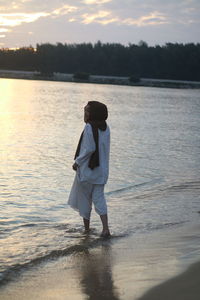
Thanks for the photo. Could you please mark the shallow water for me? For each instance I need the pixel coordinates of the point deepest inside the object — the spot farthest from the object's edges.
(154, 166)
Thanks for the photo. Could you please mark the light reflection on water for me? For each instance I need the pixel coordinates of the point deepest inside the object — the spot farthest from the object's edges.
(155, 140)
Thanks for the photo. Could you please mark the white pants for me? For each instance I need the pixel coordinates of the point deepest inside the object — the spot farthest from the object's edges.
(83, 194)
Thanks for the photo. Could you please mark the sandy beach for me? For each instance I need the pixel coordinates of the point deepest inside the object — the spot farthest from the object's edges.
(99, 79)
(118, 268)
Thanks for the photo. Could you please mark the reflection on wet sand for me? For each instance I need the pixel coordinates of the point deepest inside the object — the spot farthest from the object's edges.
(95, 271)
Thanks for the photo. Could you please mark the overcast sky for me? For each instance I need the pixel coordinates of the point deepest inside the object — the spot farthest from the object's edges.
(28, 22)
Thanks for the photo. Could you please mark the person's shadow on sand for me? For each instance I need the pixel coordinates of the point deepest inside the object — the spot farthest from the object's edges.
(96, 274)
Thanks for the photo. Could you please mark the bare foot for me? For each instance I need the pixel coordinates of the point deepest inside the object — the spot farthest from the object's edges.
(86, 231)
(105, 234)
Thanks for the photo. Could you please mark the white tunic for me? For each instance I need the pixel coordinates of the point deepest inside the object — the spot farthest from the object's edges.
(98, 175)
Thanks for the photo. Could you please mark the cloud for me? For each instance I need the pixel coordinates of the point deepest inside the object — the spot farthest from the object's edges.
(72, 20)
(18, 18)
(99, 17)
(64, 10)
(96, 1)
(154, 18)
(15, 19)
(106, 17)
(4, 30)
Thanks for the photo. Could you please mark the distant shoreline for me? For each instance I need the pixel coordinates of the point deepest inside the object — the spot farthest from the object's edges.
(115, 80)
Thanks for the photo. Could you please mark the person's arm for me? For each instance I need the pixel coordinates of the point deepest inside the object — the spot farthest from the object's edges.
(87, 147)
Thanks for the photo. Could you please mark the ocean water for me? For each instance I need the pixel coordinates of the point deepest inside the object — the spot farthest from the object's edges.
(154, 165)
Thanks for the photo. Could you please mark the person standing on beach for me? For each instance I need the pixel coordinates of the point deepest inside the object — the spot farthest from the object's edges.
(92, 166)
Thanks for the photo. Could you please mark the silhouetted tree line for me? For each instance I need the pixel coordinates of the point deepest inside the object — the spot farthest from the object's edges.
(171, 61)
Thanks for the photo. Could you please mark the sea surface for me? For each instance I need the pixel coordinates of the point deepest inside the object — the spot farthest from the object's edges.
(154, 178)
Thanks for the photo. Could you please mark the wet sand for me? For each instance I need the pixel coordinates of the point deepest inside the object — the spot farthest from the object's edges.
(183, 287)
(117, 269)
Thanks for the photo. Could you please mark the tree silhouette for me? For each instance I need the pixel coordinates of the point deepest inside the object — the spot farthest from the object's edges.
(171, 61)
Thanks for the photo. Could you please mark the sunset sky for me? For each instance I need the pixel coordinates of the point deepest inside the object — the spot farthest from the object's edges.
(28, 22)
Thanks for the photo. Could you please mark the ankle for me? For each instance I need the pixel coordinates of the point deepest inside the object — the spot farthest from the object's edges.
(86, 223)
(106, 229)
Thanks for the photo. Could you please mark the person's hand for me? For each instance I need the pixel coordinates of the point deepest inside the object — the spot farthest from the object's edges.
(75, 167)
